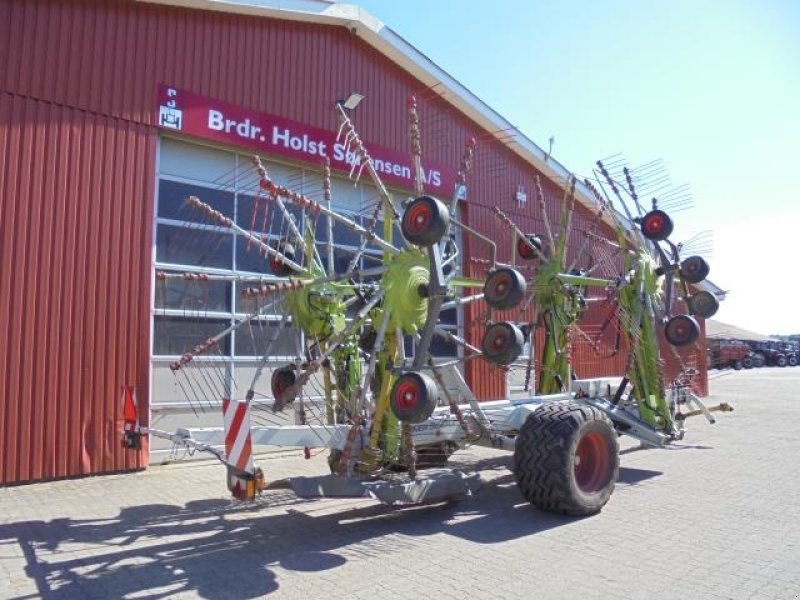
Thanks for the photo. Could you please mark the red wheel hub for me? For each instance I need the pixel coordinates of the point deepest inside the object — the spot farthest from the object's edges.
(654, 224)
(501, 284)
(524, 250)
(407, 395)
(679, 331)
(498, 340)
(418, 218)
(592, 462)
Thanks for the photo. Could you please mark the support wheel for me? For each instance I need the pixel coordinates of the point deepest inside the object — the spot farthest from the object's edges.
(413, 397)
(656, 225)
(694, 269)
(282, 379)
(524, 247)
(425, 221)
(278, 267)
(681, 330)
(504, 288)
(703, 304)
(566, 459)
(502, 343)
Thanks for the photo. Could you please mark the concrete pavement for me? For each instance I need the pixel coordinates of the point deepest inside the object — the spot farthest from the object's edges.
(717, 516)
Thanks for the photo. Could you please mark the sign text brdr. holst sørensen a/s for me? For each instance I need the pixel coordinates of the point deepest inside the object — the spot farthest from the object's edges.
(203, 117)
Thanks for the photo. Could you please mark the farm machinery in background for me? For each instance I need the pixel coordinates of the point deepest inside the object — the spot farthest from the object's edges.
(740, 354)
(385, 415)
(775, 354)
(732, 354)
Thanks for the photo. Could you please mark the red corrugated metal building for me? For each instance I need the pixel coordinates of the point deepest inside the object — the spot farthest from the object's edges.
(89, 169)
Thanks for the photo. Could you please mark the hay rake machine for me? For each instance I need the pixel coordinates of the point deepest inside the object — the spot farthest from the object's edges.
(382, 414)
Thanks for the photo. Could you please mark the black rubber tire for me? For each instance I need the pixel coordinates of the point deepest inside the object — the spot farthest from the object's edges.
(502, 343)
(781, 361)
(282, 379)
(703, 304)
(276, 266)
(504, 288)
(792, 361)
(425, 221)
(694, 269)
(747, 362)
(656, 225)
(681, 330)
(524, 249)
(737, 365)
(759, 361)
(413, 397)
(545, 466)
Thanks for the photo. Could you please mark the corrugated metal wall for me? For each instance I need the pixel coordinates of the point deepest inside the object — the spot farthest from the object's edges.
(76, 221)
(77, 157)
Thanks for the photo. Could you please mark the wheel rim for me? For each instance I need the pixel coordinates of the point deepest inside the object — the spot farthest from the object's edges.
(406, 395)
(277, 266)
(499, 285)
(681, 330)
(497, 340)
(656, 225)
(694, 269)
(418, 218)
(524, 247)
(704, 304)
(592, 462)
(281, 382)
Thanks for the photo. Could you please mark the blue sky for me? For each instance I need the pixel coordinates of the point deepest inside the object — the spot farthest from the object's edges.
(712, 88)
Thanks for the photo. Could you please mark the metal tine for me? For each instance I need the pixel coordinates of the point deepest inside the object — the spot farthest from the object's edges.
(202, 382)
(665, 200)
(648, 169)
(677, 208)
(705, 235)
(646, 185)
(194, 393)
(613, 159)
(652, 180)
(681, 190)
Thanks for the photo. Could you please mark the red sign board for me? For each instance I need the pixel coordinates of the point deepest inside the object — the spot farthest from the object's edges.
(211, 119)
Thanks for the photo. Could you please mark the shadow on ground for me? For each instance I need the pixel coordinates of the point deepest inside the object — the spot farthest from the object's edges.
(217, 549)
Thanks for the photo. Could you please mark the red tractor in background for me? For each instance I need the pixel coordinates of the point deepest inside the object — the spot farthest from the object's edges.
(727, 354)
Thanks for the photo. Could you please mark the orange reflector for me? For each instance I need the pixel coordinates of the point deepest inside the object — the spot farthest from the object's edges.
(129, 406)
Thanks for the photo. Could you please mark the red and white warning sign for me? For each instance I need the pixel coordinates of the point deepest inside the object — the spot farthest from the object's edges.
(238, 440)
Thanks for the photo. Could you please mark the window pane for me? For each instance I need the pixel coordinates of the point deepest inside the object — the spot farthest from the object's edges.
(185, 159)
(172, 336)
(342, 235)
(253, 339)
(449, 317)
(441, 347)
(172, 201)
(193, 246)
(201, 296)
(252, 259)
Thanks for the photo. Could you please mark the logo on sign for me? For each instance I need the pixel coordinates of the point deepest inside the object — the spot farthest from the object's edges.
(169, 115)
